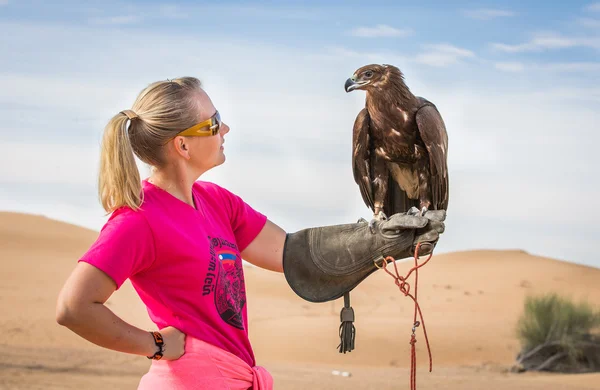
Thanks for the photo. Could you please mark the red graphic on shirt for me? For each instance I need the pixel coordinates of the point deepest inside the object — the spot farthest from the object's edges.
(230, 293)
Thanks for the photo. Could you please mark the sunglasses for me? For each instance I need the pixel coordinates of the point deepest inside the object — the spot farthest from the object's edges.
(206, 128)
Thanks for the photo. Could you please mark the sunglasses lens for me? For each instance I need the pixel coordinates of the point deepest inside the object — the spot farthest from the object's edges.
(217, 126)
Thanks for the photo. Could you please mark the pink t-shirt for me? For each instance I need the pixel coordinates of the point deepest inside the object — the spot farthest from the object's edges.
(185, 262)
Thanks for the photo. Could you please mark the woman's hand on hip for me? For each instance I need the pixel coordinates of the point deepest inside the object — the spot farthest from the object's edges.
(174, 341)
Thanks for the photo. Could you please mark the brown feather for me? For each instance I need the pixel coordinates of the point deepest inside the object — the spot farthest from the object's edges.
(361, 156)
(433, 133)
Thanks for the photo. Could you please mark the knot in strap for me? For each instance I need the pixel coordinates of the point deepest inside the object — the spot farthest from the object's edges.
(413, 340)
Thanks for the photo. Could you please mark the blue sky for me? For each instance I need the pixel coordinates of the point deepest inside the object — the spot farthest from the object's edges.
(518, 85)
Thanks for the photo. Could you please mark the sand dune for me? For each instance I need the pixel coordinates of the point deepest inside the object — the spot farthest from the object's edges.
(470, 302)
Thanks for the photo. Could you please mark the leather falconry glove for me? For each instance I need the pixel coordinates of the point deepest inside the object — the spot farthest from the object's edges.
(324, 263)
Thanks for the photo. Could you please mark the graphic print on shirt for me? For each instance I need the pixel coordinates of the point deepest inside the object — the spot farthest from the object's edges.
(229, 291)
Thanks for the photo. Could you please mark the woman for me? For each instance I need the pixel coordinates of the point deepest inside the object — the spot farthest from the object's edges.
(179, 240)
(167, 234)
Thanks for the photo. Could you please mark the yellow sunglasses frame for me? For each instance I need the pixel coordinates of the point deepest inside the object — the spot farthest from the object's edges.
(213, 123)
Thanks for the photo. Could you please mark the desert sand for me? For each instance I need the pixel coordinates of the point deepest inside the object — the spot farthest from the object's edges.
(470, 302)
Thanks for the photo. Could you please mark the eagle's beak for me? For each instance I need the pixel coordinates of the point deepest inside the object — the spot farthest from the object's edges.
(350, 85)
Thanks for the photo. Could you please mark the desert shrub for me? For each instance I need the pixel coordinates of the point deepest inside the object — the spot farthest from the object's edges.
(557, 334)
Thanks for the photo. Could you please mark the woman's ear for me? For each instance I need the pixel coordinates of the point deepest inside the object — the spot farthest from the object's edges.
(182, 148)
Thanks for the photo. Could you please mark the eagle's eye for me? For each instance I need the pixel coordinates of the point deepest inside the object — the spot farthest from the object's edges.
(368, 74)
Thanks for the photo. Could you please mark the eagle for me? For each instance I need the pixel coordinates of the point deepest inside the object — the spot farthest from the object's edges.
(399, 145)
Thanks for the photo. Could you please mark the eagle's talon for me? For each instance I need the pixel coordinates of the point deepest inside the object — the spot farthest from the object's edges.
(413, 211)
(424, 209)
(372, 225)
(379, 216)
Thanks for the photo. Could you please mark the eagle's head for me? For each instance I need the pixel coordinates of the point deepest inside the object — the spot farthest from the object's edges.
(373, 77)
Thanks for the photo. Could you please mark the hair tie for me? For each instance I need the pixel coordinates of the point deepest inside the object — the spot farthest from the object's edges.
(130, 114)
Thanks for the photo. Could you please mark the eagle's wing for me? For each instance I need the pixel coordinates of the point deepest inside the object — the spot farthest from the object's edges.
(361, 156)
(433, 133)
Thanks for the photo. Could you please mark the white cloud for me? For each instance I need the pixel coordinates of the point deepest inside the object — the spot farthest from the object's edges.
(594, 7)
(487, 13)
(71, 94)
(253, 10)
(510, 66)
(249, 11)
(589, 22)
(380, 30)
(560, 67)
(564, 94)
(173, 12)
(548, 41)
(556, 41)
(572, 67)
(352, 59)
(156, 13)
(52, 163)
(442, 55)
(512, 48)
(130, 19)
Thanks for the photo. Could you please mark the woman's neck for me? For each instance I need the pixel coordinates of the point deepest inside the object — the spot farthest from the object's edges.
(176, 182)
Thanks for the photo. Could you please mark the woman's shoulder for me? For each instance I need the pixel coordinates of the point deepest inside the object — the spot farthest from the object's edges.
(127, 216)
(220, 196)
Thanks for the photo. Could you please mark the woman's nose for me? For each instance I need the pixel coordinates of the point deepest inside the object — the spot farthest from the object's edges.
(224, 128)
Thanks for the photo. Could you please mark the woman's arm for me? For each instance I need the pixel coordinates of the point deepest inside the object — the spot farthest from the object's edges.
(81, 308)
(266, 250)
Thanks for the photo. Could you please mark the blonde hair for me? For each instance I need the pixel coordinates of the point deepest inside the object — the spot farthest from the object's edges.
(160, 112)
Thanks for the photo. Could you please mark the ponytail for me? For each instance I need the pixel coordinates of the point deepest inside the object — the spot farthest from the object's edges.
(119, 178)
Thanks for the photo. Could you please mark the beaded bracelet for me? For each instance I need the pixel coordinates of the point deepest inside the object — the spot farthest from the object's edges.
(158, 340)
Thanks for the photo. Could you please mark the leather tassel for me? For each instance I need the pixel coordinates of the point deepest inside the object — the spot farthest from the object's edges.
(347, 329)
